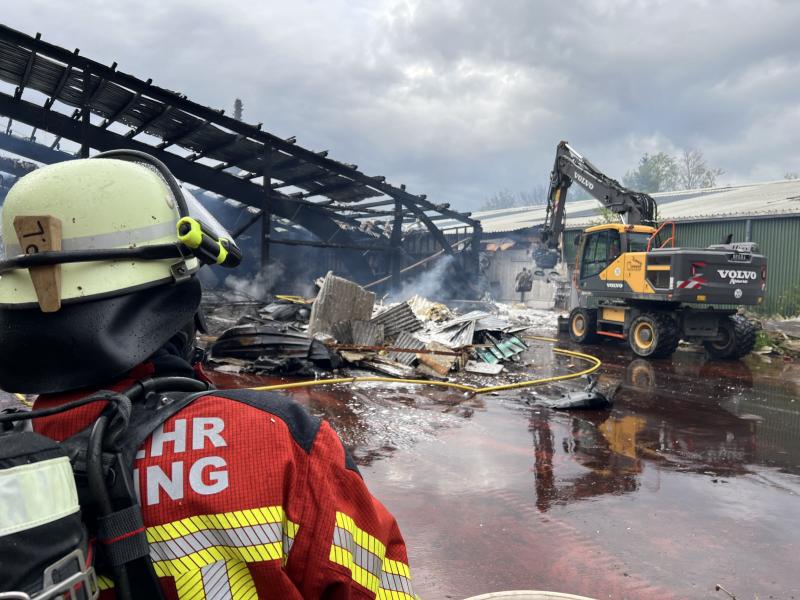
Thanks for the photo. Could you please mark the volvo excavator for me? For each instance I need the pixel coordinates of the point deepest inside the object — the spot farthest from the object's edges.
(632, 282)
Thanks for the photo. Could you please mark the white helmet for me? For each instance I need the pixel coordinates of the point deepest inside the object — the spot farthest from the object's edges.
(100, 258)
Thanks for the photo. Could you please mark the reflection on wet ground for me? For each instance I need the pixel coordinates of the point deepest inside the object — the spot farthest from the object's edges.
(692, 479)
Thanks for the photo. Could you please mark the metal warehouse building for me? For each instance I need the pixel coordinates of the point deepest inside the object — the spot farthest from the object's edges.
(765, 213)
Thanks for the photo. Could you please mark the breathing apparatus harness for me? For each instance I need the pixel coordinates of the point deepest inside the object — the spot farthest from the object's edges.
(73, 504)
(101, 458)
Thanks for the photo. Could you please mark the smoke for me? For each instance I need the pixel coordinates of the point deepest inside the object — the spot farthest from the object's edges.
(255, 288)
(429, 284)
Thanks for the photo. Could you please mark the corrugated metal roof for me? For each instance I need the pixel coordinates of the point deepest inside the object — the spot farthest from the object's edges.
(397, 319)
(754, 200)
(406, 340)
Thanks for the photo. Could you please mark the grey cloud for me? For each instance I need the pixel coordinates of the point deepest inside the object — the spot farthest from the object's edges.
(460, 98)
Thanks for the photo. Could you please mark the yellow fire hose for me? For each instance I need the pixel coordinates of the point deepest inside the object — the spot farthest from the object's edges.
(595, 364)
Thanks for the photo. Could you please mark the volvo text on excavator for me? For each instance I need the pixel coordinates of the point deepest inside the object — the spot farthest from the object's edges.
(635, 285)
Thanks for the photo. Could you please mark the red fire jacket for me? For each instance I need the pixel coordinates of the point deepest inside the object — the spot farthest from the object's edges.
(241, 502)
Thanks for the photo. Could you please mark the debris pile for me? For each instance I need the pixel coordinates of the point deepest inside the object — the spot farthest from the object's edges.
(344, 330)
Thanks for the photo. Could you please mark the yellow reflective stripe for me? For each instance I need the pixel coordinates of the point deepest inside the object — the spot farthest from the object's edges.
(230, 520)
(395, 567)
(364, 556)
(105, 583)
(210, 553)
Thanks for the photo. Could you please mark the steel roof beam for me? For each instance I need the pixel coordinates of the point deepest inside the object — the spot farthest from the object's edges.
(173, 99)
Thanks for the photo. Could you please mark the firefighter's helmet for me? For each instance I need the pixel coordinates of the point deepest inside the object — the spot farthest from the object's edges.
(96, 274)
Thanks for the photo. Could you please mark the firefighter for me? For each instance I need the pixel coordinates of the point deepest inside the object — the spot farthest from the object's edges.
(242, 494)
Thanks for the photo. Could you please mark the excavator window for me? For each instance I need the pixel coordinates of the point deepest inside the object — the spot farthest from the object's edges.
(637, 242)
(597, 252)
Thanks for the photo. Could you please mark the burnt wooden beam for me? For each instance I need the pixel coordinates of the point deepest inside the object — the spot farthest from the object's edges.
(255, 218)
(26, 75)
(300, 179)
(327, 189)
(32, 150)
(396, 241)
(221, 146)
(59, 86)
(86, 116)
(266, 211)
(182, 135)
(336, 245)
(124, 108)
(179, 101)
(137, 130)
(318, 220)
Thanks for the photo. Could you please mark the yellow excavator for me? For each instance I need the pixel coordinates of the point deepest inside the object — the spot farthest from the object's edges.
(633, 284)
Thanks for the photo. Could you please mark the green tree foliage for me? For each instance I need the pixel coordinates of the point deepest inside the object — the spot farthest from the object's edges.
(607, 216)
(694, 172)
(664, 173)
(505, 198)
(655, 173)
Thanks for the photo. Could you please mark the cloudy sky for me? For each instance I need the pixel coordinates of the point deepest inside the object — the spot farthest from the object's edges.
(461, 98)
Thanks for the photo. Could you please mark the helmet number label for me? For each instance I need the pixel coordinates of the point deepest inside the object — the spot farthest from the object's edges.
(42, 233)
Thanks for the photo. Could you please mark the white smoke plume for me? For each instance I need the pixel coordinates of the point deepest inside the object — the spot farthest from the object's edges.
(256, 288)
(428, 284)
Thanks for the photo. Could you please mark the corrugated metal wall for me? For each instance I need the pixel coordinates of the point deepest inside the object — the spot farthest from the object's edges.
(779, 239)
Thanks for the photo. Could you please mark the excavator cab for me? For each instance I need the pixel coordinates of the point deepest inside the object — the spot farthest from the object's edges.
(603, 246)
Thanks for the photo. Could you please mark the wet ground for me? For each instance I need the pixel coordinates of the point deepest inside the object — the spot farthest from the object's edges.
(691, 480)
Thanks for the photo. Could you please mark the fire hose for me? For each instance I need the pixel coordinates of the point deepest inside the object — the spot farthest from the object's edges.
(595, 364)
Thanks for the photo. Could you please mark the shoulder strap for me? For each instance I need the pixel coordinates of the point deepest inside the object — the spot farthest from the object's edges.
(122, 533)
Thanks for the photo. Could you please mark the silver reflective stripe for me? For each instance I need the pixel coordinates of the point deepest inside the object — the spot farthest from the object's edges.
(361, 556)
(238, 537)
(114, 239)
(396, 583)
(35, 494)
(216, 584)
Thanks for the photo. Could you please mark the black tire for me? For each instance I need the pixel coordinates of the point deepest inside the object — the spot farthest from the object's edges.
(653, 335)
(739, 337)
(583, 325)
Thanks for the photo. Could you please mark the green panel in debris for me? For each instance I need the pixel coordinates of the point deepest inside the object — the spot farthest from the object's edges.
(487, 356)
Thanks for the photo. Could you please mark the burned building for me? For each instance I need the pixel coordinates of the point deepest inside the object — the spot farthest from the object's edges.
(286, 204)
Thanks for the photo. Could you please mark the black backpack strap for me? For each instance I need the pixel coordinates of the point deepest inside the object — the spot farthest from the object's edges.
(122, 534)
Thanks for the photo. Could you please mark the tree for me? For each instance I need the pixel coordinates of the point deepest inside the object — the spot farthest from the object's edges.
(505, 198)
(694, 172)
(656, 173)
(502, 199)
(533, 197)
(238, 108)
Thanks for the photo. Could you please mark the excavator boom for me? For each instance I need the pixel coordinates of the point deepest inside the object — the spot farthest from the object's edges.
(635, 208)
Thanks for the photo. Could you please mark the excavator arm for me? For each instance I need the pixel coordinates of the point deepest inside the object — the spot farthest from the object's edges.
(636, 208)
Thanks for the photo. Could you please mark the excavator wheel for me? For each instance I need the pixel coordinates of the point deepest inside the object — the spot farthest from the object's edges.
(653, 335)
(583, 325)
(738, 338)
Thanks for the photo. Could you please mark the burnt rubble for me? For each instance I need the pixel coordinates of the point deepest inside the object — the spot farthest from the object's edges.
(344, 332)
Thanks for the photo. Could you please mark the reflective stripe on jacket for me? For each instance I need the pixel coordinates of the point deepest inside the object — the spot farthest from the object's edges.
(247, 502)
